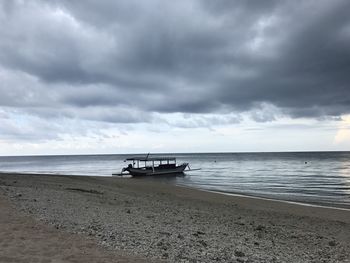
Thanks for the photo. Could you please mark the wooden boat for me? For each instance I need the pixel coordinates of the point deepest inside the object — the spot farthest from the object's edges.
(150, 166)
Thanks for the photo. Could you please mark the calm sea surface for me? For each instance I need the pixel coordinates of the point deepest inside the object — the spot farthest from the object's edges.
(309, 177)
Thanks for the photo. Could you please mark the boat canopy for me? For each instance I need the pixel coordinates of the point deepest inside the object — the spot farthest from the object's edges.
(150, 159)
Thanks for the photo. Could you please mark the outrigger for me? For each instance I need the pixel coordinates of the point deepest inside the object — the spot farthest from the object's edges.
(149, 166)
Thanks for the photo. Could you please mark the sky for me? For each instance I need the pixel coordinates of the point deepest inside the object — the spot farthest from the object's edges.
(130, 76)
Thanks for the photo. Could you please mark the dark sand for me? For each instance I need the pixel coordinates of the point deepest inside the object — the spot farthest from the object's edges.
(23, 239)
(144, 219)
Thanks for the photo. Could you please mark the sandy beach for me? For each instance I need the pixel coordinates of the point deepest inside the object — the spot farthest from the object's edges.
(51, 218)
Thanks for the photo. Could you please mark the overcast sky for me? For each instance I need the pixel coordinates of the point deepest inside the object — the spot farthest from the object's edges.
(107, 76)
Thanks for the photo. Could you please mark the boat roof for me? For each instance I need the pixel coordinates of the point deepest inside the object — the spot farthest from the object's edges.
(144, 159)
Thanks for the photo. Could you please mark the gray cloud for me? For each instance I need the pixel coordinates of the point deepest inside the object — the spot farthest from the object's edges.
(102, 59)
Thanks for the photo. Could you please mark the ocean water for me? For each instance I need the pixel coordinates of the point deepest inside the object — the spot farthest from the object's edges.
(309, 177)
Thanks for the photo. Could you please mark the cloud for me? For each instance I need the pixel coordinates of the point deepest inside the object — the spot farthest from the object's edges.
(123, 61)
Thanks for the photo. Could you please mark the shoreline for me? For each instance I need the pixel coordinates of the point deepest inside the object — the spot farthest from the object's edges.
(317, 205)
(158, 221)
(301, 203)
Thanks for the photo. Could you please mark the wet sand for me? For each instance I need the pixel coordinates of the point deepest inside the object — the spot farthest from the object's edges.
(135, 219)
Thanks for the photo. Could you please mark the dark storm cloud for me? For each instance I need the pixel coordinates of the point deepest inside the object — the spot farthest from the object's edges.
(181, 56)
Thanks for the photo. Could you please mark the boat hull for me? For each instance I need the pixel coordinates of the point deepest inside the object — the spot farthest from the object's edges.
(156, 171)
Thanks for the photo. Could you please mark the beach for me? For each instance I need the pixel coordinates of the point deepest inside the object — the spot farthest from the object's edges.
(110, 219)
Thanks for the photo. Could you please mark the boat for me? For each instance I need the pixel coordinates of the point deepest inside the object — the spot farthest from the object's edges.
(151, 166)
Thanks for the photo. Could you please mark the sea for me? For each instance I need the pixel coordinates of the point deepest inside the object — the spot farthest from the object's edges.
(316, 178)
